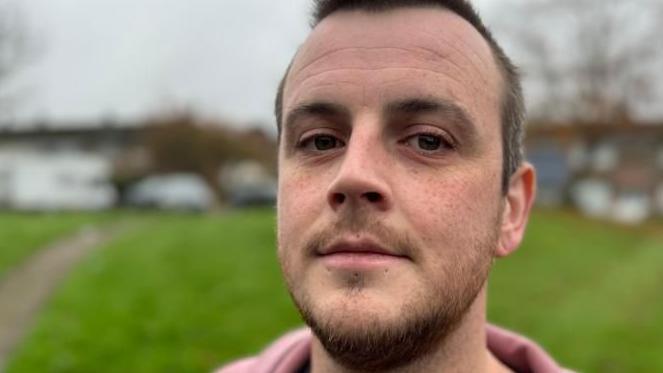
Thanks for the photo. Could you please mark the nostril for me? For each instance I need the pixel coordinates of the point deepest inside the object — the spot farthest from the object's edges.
(339, 198)
(373, 197)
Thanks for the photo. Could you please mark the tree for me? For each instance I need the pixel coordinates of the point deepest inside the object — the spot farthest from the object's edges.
(590, 60)
(14, 51)
(180, 142)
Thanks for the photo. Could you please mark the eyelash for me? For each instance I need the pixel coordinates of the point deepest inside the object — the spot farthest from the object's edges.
(445, 143)
(306, 141)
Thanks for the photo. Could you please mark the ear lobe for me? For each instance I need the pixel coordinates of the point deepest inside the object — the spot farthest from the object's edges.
(517, 205)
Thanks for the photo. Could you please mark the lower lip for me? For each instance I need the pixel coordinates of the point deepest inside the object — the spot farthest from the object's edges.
(360, 260)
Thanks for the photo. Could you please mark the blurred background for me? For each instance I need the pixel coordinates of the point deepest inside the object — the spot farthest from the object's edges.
(138, 182)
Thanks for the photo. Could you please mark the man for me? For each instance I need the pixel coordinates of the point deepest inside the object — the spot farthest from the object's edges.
(400, 181)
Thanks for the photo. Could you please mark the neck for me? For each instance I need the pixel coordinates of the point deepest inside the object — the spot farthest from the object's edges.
(463, 350)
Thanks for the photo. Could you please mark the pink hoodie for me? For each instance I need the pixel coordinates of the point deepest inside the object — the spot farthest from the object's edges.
(289, 354)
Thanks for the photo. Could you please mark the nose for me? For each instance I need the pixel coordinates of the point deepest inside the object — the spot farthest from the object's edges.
(360, 180)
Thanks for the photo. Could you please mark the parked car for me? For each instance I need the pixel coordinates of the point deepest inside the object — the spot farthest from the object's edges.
(182, 192)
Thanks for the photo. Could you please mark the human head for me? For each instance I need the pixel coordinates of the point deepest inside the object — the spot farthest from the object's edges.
(391, 204)
(512, 105)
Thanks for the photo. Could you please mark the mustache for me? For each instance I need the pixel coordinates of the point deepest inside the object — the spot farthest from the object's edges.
(361, 224)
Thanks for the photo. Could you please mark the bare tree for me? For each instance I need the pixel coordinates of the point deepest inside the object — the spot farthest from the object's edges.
(15, 51)
(591, 60)
(181, 142)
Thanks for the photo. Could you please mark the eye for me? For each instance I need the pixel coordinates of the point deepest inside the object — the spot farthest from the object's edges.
(428, 142)
(320, 142)
(325, 142)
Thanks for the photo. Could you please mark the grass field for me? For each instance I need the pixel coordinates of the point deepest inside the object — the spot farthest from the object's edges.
(186, 293)
(589, 292)
(22, 234)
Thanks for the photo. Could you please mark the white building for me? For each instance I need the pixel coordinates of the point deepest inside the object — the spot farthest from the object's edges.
(609, 172)
(48, 168)
(60, 169)
(32, 180)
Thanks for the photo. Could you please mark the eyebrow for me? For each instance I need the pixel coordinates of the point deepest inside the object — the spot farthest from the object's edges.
(320, 109)
(448, 110)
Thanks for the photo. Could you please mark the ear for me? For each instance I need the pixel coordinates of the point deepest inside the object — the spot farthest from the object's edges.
(517, 205)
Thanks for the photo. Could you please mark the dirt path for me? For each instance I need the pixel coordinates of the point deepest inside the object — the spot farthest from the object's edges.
(24, 289)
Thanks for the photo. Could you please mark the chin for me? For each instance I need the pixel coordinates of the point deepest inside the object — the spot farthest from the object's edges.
(359, 296)
(364, 331)
(378, 325)
(347, 306)
(354, 307)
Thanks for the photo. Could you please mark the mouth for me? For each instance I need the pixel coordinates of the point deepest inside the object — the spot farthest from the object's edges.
(359, 254)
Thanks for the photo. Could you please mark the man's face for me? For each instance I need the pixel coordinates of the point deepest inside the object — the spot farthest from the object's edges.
(390, 161)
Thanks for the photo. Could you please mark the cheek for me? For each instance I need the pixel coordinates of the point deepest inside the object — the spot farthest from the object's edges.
(452, 209)
(300, 199)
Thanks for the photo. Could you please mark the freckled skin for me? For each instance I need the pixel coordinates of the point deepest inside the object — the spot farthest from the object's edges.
(450, 206)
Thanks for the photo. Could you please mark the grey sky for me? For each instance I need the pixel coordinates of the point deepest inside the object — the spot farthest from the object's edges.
(129, 58)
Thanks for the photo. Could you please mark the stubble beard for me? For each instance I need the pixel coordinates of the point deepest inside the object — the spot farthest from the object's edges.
(371, 343)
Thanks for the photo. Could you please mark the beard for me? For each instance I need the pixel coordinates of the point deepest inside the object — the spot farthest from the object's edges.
(370, 342)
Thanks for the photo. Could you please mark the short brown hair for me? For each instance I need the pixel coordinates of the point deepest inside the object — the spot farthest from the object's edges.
(512, 106)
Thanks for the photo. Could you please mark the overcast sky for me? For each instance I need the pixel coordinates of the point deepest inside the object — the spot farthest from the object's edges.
(128, 58)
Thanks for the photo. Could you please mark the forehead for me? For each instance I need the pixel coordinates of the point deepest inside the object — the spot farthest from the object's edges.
(431, 42)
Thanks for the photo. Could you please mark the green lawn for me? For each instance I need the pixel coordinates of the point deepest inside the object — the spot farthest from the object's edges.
(177, 294)
(589, 292)
(185, 293)
(22, 234)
